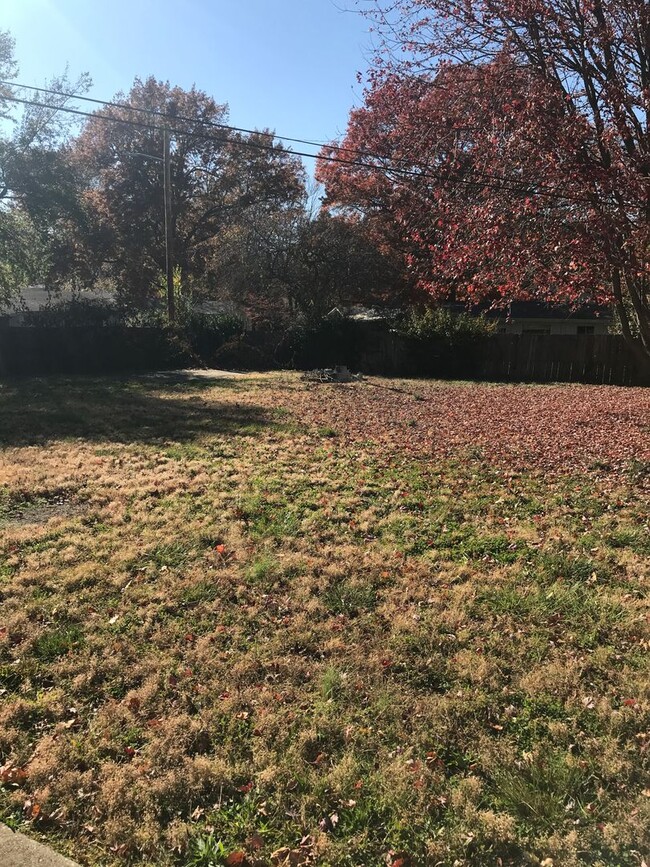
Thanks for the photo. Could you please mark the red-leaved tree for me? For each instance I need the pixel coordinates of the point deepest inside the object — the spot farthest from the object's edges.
(509, 142)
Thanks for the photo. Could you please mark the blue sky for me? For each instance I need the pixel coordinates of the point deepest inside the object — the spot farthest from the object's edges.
(285, 64)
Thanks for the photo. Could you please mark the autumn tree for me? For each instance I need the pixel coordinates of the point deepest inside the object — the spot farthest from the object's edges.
(217, 175)
(509, 141)
(296, 267)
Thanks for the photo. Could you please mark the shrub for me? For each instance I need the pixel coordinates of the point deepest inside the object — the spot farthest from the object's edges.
(240, 355)
(443, 324)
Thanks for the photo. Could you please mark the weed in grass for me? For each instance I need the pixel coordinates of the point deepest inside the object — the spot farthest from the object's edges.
(585, 616)
(530, 721)
(171, 556)
(53, 643)
(269, 517)
(350, 598)
(10, 678)
(201, 593)
(263, 571)
(498, 549)
(573, 569)
(6, 569)
(547, 790)
(236, 819)
(206, 851)
(634, 539)
(331, 683)
(428, 674)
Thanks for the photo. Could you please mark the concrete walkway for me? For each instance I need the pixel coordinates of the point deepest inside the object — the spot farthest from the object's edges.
(16, 850)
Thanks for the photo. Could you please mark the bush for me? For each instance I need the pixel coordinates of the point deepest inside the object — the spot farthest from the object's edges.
(443, 324)
(74, 312)
(240, 355)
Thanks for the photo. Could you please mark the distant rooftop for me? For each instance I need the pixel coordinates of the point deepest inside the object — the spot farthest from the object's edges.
(35, 298)
(515, 310)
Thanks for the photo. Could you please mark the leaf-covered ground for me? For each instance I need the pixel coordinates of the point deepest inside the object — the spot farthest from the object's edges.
(256, 621)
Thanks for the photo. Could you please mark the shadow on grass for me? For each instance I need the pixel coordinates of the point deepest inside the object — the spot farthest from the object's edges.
(143, 409)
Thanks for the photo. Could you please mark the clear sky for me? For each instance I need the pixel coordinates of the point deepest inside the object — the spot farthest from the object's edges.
(285, 64)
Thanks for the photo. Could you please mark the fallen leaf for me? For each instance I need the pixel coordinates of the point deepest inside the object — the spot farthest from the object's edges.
(12, 775)
(329, 823)
(255, 841)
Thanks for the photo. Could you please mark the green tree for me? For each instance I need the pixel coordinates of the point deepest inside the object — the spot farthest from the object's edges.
(39, 191)
(217, 175)
(23, 256)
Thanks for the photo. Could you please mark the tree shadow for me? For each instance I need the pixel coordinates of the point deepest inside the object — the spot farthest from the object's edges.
(138, 410)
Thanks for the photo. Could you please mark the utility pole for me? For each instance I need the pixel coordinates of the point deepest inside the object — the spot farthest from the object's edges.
(169, 230)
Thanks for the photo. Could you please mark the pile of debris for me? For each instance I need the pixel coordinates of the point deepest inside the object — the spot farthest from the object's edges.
(340, 373)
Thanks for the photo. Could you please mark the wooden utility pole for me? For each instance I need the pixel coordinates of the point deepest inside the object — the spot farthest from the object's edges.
(169, 230)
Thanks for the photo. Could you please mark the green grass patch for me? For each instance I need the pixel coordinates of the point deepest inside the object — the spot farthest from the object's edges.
(54, 643)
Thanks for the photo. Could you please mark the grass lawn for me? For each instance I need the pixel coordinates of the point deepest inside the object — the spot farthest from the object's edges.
(257, 621)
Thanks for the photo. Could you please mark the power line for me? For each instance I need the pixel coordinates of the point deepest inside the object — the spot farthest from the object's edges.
(525, 184)
(157, 113)
(426, 173)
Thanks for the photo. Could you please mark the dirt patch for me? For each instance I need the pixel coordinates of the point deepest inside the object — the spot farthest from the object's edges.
(39, 511)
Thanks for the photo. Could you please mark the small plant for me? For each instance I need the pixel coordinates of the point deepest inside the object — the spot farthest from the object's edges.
(206, 851)
(57, 642)
(331, 683)
(262, 570)
(350, 599)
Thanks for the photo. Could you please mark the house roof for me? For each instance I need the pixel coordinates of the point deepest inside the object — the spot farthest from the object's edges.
(34, 298)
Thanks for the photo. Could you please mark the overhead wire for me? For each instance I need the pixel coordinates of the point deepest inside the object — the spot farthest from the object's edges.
(522, 185)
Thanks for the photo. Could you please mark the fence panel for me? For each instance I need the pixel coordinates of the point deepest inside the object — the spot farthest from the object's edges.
(370, 347)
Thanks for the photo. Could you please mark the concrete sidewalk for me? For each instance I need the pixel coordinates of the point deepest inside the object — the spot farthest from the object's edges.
(16, 850)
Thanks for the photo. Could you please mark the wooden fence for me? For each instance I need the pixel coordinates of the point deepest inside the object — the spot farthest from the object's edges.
(602, 359)
(371, 347)
(368, 347)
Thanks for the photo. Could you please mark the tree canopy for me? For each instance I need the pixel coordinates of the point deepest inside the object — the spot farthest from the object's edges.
(217, 175)
(514, 145)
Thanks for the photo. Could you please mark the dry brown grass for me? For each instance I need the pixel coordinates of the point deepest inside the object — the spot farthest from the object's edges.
(368, 623)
